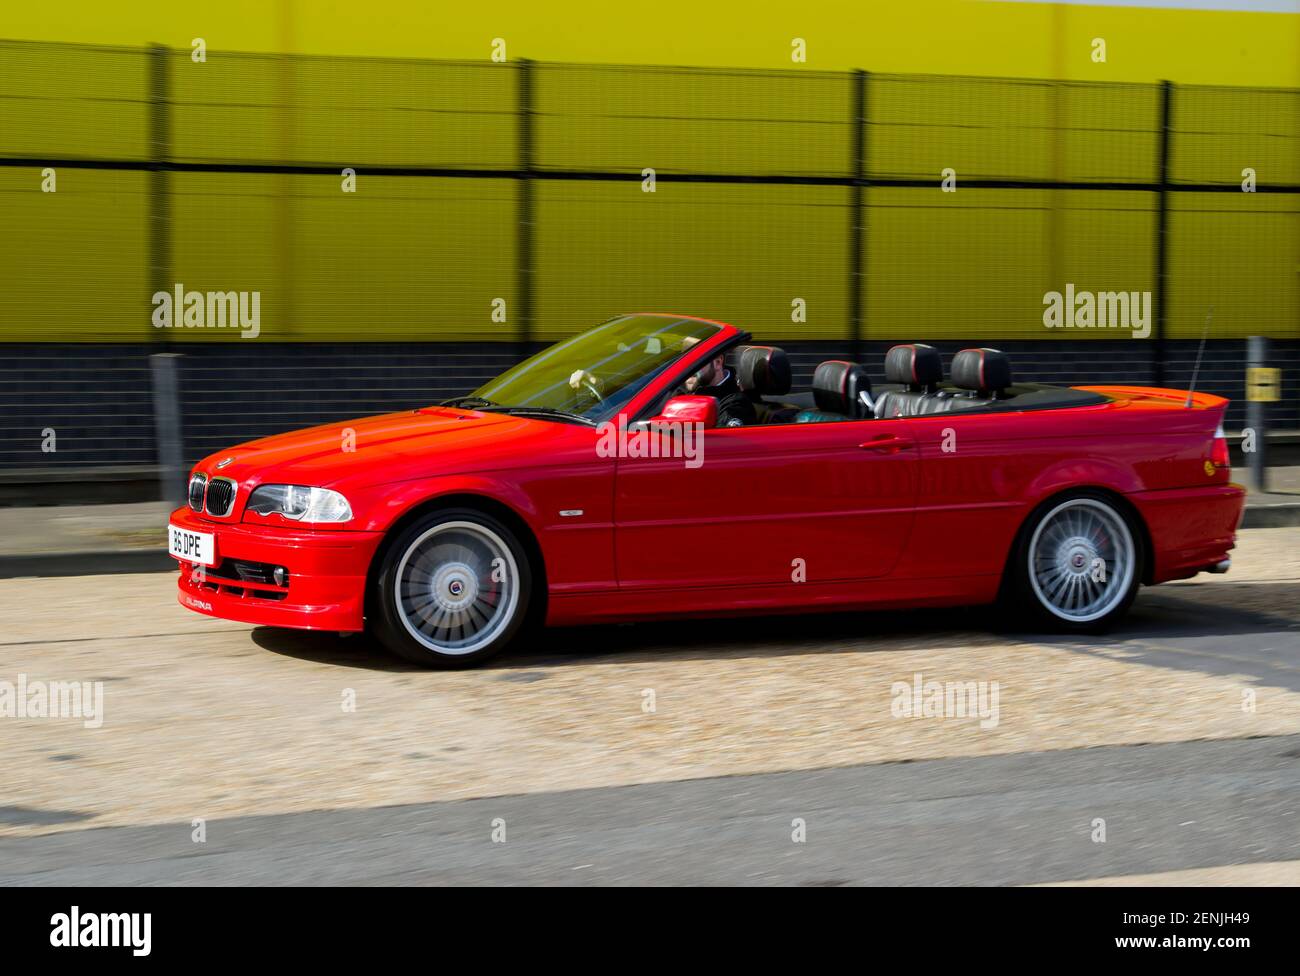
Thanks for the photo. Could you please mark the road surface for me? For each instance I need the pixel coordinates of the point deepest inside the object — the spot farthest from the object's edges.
(663, 753)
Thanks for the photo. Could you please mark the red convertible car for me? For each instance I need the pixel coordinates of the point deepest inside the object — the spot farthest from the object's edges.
(657, 466)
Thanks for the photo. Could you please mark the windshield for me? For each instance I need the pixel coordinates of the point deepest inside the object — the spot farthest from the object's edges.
(593, 375)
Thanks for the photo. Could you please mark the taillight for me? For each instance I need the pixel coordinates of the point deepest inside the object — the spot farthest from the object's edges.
(1219, 450)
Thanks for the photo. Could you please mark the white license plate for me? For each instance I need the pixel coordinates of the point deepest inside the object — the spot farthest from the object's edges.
(193, 547)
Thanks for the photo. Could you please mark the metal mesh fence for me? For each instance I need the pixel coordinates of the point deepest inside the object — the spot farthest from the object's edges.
(354, 111)
(1004, 129)
(511, 201)
(678, 121)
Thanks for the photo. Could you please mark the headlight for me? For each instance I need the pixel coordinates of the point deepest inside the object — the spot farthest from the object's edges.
(300, 503)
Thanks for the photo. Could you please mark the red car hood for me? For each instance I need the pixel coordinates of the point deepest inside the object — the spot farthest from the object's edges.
(390, 447)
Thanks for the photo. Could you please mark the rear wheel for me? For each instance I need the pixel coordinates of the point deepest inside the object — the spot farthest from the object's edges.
(453, 590)
(1079, 562)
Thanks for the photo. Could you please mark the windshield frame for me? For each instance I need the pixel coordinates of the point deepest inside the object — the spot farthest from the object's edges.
(657, 381)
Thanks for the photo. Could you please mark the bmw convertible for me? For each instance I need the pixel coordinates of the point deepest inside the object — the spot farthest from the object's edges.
(661, 465)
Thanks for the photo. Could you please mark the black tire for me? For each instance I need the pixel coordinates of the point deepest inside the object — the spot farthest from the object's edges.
(1077, 563)
(453, 590)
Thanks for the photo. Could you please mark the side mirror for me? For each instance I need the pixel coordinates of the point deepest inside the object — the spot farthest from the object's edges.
(702, 410)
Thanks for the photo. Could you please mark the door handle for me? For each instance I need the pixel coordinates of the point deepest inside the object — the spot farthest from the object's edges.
(888, 443)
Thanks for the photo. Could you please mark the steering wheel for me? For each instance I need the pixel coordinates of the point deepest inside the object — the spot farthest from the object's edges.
(582, 381)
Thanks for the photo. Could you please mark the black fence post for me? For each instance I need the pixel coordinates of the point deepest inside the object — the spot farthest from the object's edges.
(163, 364)
(1261, 377)
(524, 260)
(1159, 351)
(857, 217)
(164, 369)
(159, 177)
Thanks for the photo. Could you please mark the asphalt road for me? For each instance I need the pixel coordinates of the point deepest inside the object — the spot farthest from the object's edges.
(759, 723)
(996, 820)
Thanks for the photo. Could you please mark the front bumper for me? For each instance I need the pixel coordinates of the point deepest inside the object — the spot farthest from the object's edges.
(1192, 529)
(326, 575)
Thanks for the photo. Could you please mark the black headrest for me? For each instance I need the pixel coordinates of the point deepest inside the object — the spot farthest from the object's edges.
(981, 369)
(916, 365)
(763, 369)
(836, 386)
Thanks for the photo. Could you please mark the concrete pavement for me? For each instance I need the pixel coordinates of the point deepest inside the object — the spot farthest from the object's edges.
(311, 757)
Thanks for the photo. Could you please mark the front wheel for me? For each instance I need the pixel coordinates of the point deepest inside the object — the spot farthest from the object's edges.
(1079, 562)
(453, 589)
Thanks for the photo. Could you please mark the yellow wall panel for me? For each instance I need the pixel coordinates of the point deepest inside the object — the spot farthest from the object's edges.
(969, 265)
(397, 259)
(73, 263)
(408, 259)
(742, 254)
(1251, 276)
(224, 239)
(1036, 40)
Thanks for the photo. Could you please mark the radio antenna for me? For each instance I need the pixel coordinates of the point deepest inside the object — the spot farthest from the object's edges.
(1196, 369)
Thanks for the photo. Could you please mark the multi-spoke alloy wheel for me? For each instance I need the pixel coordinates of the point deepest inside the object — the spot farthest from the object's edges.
(1081, 561)
(453, 590)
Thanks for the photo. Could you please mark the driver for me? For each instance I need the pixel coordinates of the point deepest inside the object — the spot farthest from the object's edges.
(712, 379)
(715, 380)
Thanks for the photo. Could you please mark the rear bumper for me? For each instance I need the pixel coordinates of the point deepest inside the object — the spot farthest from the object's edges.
(1192, 529)
(326, 585)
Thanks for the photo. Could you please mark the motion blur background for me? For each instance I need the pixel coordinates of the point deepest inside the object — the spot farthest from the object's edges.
(481, 182)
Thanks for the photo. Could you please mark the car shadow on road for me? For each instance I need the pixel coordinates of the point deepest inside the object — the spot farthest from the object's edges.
(1216, 627)
(680, 639)
(1245, 630)
(326, 647)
